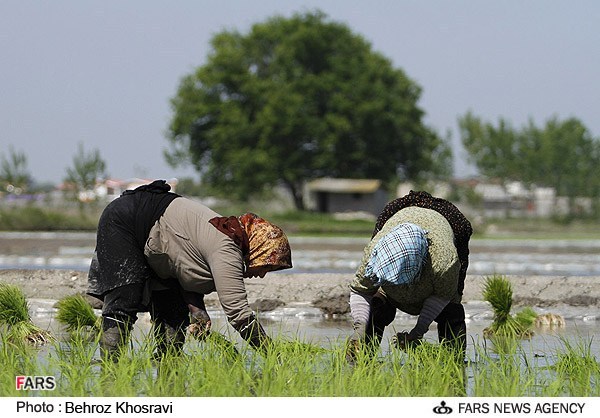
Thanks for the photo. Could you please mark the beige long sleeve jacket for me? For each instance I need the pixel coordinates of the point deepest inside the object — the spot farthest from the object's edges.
(184, 246)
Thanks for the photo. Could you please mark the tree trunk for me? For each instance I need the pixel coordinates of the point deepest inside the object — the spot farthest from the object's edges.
(297, 195)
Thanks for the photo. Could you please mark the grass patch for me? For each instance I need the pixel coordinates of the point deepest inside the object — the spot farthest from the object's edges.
(33, 218)
(538, 228)
(299, 369)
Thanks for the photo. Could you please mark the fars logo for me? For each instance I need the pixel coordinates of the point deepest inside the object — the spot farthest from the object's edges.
(442, 408)
(35, 383)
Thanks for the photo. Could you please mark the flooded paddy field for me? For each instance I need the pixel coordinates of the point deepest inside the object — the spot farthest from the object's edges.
(534, 358)
(73, 251)
(307, 324)
(340, 256)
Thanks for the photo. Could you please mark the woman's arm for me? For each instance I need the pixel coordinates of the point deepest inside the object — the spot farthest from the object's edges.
(194, 301)
(360, 311)
(432, 307)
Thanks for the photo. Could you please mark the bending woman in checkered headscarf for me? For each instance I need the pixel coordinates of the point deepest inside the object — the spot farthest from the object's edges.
(416, 262)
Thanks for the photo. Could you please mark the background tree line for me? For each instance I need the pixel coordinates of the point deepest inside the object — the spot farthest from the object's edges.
(561, 154)
(81, 177)
(304, 97)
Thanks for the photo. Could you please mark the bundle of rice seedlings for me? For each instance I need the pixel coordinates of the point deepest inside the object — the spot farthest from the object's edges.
(526, 317)
(14, 314)
(75, 312)
(498, 292)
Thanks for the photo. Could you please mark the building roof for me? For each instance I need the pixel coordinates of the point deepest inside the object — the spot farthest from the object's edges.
(332, 185)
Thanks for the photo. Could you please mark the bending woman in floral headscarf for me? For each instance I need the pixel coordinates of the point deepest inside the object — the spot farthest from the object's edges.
(159, 252)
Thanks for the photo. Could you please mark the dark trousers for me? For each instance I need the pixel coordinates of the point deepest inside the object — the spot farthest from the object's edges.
(168, 311)
(451, 325)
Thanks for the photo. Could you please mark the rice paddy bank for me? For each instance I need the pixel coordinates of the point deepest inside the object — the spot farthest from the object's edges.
(328, 291)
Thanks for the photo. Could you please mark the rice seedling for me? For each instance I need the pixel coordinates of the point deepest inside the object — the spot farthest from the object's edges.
(15, 318)
(298, 369)
(526, 317)
(219, 342)
(429, 369)
(15, 359)
(504, 375)
(577, 370)
(75, 312)
(76, 367)
(498, 292)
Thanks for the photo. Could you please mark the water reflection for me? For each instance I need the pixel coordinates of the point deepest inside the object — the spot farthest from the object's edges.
(308, 325)
(73, 251)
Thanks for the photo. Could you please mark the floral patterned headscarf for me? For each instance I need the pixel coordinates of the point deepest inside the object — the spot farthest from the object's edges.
(261, 242)
(268, 245)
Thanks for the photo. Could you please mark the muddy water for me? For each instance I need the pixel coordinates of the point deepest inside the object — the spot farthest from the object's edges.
(73, 251)
(307, 324)
(524, 257)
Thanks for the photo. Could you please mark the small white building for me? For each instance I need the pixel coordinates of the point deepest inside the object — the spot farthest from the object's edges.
(332, 195)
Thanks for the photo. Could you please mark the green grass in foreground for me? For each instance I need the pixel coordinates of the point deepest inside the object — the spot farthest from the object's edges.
(297, 369)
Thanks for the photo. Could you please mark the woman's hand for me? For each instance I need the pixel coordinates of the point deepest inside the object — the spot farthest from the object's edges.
(404, 340)
(199, 320)
(355, 342)
(200, 324)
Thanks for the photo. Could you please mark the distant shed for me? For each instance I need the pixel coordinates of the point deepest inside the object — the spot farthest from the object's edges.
(329, 195)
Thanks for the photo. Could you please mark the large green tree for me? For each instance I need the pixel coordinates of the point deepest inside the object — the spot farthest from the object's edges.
(562, 154)
(295, 99)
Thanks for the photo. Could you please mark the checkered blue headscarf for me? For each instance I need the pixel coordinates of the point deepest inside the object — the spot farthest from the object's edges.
(398, 256)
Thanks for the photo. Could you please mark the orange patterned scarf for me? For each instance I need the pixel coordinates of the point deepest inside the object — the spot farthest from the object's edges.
(268, 244)
(262, 243)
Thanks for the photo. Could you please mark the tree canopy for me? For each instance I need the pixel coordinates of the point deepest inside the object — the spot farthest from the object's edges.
(295, 99)
(562, 154)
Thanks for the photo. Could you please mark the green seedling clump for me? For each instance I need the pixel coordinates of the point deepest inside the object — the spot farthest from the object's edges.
(75, 312)
(15, 318)
(498, 292)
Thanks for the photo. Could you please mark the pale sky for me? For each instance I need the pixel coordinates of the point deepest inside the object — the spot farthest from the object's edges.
(103, 72)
